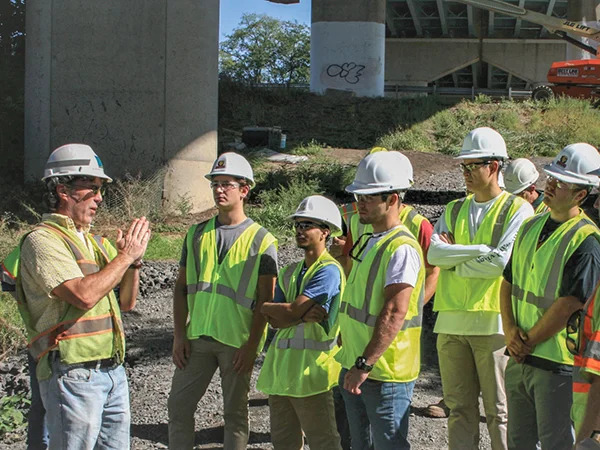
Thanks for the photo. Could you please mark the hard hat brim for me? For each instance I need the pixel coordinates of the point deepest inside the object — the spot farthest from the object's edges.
(484, 156)
(568, 177)
(209, 177)
(361, 190)
(80, 174)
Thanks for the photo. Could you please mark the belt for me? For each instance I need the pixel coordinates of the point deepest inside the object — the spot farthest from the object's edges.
(101, 363)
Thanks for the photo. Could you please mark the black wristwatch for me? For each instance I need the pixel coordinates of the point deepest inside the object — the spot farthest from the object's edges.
(361, 364)
(595, 436)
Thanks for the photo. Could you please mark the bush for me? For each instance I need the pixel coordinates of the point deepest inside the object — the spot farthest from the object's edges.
(11, 415)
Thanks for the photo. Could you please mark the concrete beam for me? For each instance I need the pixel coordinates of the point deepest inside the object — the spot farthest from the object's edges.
(491, 16)
(415, 17)
(430, 59)
(470, 21)
(389, 20)
(519, 21)
(340, 11)
(475, 75)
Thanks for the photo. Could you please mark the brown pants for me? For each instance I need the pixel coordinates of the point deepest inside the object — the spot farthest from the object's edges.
(190, 384)
(315, 415)
(470, 365)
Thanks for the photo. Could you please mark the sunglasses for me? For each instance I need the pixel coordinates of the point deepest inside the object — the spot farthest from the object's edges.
(472, 166)
(225, 185)
(93, 189)
(358, 247)
(573, 332)
(308, 225)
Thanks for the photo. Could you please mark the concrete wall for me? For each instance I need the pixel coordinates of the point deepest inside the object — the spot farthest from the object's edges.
(348, 46)
(588, 12)
(431, 59)
(136, 80)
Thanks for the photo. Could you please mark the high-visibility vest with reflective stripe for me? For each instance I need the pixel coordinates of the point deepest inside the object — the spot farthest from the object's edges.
(537, 275)
(408, 216)
(347, 210)
(364, 299)
(300, 362)
(81, 335)
(588, 358)
(221, 296)
(456, 293)
(541, 208)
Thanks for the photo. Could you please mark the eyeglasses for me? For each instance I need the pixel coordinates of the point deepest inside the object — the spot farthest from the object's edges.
(368, 198)
(472, 166)
(354, 253)
(561, 184)
(307, 225)
(225, 185)
(573, 334)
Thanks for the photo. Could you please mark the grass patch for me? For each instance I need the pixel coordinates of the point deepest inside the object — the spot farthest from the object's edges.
(313, 148)
(164, 247)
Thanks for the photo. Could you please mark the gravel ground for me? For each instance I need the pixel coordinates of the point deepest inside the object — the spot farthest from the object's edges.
(149, 335)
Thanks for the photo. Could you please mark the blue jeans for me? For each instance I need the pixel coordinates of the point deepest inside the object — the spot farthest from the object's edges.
(379, 415)
(88, 409)
(37, 432)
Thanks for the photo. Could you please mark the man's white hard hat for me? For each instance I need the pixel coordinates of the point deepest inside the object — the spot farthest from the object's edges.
(319, 208)
(382, 172)
(233, 165)
(519, 175)
(74, 160)
(484, 143)
(575, 164)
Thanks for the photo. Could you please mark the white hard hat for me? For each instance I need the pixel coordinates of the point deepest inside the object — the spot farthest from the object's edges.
(233, 165)
(574, 164)
(519, 175)
(319, 208)
(74, 160)
(382, 172)
(483, 142)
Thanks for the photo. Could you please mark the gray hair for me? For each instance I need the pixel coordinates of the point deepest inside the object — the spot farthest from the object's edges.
(51, 197)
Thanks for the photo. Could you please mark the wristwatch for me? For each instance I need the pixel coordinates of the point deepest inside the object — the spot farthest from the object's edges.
(595, 436)
(361, 364)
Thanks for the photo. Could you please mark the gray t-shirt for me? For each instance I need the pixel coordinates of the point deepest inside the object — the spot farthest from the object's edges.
(226, 237)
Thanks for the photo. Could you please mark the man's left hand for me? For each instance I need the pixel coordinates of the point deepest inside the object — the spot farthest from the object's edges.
(243, 360)
(353, 379)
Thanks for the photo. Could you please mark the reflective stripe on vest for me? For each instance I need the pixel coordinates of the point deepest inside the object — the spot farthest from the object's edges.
(545, 301)
(362, 315)
(300, 343)
(239, 295)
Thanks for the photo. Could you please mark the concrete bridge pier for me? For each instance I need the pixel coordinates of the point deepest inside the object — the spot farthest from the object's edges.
(135, 80)
(348, 46)
(588, 12)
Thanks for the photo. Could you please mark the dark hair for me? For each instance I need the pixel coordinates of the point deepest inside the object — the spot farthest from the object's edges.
(51, 197)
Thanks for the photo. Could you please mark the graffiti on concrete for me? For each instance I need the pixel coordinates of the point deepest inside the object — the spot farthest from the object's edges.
(350, 72)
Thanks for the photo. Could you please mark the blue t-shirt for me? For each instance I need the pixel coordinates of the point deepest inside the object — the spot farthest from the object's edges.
(321, 289)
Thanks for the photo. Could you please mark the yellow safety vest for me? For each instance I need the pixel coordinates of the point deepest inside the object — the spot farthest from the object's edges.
(541, 208)
(537, 275)
(364, 299)
(456, 293)
(81, 335)
(408, 217)
(588, 358)
(300, 362)
(221, 296)
(347, 210)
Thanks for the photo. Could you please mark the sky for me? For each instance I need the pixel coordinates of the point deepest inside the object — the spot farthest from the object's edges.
(232, 10)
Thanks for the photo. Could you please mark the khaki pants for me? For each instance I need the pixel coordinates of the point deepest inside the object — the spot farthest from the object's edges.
(315, 415)
(470, 365)
(190, 384)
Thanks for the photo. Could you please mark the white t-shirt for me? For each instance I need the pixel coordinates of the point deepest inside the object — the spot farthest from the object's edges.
(404, 264)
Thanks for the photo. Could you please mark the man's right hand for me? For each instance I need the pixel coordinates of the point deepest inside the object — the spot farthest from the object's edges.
(337, 246)
(181, 352)
(315, 314)
(134, 243)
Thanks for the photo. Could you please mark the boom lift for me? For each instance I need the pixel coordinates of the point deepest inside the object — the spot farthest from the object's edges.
(576, 78)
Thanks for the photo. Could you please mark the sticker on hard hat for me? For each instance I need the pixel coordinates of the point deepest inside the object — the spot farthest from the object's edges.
(220, 165)
(562, 162)
(302, 206)
(99, 162)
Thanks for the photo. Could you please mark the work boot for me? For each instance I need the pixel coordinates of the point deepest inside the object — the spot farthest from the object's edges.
(438, 410)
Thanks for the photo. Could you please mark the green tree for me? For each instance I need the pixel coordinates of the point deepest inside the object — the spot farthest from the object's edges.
(263, 49)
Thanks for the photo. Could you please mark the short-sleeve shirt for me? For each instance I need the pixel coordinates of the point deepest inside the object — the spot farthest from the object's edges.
(226, 237)
(322, 288)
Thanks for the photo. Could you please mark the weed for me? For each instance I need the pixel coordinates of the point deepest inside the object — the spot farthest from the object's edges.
(313, 148)
(184, 205)
(163, 247)
(11, 415)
